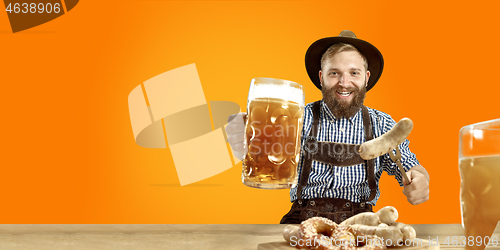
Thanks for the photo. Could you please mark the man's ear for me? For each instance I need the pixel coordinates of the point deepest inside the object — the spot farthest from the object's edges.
(321, 78)
(367, 77)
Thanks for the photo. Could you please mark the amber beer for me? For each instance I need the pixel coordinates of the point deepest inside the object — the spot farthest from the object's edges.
(479, 166)
(272, 133)
(480, 197)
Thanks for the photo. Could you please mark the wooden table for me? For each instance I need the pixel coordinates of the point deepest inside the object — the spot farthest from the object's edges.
(95, 237)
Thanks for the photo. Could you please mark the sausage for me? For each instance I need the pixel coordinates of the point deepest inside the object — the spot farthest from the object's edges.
(387, 142)
(407, 230)
(388, 214)
(365, 218)
(387, 233)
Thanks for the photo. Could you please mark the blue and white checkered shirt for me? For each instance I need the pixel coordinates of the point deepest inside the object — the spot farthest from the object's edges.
(328, 181)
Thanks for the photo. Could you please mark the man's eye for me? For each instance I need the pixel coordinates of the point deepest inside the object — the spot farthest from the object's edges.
(355, 73)
(333, 73)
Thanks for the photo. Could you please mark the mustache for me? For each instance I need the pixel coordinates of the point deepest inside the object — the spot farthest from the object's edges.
(344, 89)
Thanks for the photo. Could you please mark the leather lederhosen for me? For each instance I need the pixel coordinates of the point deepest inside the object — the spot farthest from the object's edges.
(337, 154)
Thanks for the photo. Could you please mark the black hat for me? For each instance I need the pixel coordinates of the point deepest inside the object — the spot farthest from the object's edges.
(318, 48)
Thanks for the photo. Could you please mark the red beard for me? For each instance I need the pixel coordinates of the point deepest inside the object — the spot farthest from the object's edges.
(341, 108)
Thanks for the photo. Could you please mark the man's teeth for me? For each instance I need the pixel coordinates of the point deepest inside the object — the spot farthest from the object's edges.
(344, 93)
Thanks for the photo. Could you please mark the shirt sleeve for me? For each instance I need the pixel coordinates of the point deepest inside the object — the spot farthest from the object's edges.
(408, 158)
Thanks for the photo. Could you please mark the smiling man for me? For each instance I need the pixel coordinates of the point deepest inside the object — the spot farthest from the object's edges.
(336, 183)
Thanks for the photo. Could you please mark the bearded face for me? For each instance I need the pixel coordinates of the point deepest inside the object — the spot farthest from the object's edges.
(343, 79)
(341, 107)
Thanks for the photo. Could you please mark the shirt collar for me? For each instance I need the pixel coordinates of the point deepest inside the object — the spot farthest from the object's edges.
(329, 115)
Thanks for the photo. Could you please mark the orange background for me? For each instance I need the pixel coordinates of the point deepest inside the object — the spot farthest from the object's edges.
(68, 152)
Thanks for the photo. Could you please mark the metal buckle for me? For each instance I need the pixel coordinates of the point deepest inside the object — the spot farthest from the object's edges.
(312, 203)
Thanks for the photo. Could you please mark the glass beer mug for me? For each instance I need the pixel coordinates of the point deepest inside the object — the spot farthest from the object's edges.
(275, 111)
(479, 165)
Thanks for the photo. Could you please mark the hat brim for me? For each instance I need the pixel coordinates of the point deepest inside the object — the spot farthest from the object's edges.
(318, 48)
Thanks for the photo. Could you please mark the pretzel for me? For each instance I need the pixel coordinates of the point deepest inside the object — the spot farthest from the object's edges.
(324, 234)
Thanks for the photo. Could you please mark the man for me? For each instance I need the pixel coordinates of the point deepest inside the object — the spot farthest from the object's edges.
(334, 183)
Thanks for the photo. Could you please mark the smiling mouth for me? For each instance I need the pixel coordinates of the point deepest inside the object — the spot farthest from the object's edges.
(344, 93)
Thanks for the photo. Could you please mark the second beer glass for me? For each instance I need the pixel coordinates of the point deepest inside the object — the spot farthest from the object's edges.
(479, 164)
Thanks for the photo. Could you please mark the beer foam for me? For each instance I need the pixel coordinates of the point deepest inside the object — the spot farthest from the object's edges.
(280, 91)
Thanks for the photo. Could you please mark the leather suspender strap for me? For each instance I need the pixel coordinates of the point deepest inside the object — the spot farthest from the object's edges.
(311, 138)
(369, 166)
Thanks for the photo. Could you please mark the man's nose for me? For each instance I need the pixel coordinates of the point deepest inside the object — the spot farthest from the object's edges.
(343, 80)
